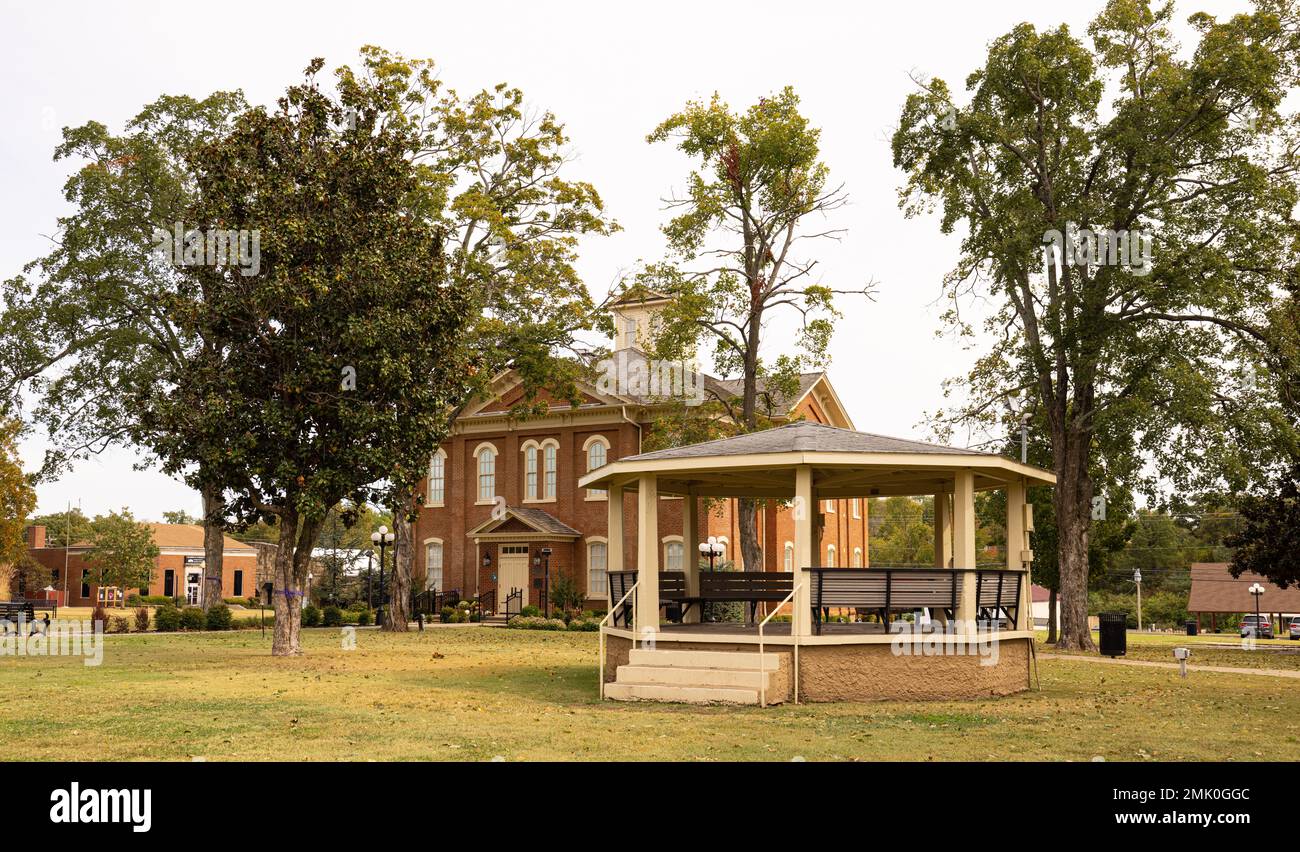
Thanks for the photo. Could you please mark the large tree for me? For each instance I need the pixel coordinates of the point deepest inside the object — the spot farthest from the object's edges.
(737, 235)
(513, 219)
(1188, 155)
(327, 374)
(86, 329)
(17, 500)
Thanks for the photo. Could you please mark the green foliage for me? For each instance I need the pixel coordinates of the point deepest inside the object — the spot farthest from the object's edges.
(122, 551)
(167, 619)
(310, 616)
(193, 618)
(218, 617)
(64, 528)
(565, 593)
(17, 497)
(1269, 540)
(180, 516)
(530, 611)
(536, 622)
(331, 616)
(364, 618)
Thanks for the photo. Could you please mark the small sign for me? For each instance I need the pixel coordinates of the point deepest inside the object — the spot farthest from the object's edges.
(1099, 508)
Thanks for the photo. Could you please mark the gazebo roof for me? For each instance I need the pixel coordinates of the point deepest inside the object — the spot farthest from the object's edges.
(847, 464)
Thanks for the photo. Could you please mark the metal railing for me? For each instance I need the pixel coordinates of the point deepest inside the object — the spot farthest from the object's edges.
(601, 629)
(794, 636)
(514, 603)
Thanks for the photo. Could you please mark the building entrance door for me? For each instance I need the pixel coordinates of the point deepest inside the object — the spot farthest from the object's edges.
(512, 573)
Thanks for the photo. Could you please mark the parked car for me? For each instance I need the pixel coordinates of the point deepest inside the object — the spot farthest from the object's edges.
(1294, 628)
(1257, 625)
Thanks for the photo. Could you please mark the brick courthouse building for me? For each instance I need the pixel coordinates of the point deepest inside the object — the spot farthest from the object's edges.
(499, 490)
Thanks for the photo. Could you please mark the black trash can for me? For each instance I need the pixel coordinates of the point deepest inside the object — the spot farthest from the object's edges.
(1114, 638)
(1191, 628)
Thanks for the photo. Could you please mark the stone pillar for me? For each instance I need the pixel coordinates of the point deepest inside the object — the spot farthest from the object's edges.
(691, 553)
(963, 541)
(647, 555)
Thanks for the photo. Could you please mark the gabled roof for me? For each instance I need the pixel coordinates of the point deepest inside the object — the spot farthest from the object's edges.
(802, 436)
(1214, 589)
(183, 536)
(536, 520)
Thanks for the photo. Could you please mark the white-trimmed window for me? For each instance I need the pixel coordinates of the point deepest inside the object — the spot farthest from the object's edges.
(857, 508)
(857, 557)
(789, 556)
(597, 450)
(674, 551)
(830, 507)
(830, 556)
(487, 472)
(550, 450)
(597, 562)
(530, 472)
(433, 564)
(437, 479)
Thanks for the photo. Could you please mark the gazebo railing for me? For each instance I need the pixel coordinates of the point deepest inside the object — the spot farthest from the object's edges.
(885, 591)
(762, 665)
(601, 630)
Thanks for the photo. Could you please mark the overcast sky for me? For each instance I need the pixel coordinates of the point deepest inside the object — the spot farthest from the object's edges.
(610, 72)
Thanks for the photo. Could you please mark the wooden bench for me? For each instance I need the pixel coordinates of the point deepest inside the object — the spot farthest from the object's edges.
(12, 611)
(620, 582)
(882, 590)
(997, 594)
(751, 587)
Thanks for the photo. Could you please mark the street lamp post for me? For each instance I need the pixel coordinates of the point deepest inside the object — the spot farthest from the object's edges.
(546, 578)
(710, 550)
(1256, 591)
(1137, 578)
(382, 538)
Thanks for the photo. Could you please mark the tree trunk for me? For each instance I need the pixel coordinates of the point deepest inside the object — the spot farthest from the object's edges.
(399, 611)
(1051, 617)
(750, 549)
(214, 545)
(1073, 499)
(287, 592)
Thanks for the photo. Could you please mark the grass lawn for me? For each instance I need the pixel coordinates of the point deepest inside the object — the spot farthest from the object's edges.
(1222, 649)
(474, 694)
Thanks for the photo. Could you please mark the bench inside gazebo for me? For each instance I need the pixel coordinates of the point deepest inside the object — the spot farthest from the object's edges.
(948, 631)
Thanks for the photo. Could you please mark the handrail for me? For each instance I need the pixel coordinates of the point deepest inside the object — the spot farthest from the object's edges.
(600, 628)
(762, 667)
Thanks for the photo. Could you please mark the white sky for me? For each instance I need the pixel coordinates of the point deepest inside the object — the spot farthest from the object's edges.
(610, 73)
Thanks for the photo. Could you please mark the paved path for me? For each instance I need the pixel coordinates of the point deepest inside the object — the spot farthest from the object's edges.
(1292, 673)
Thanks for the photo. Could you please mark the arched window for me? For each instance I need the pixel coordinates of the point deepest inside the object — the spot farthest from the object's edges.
(487, 473)
(433, 564)
(857, 557)
(857, 508)
(597, 560)
(789, 556)
(550, 450)
(830, 556)
(437, 479)
(530, 472)
(722, 557)
(673, 553)
(597, 450)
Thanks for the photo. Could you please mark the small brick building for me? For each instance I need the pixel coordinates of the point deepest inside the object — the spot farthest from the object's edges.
(178, 570)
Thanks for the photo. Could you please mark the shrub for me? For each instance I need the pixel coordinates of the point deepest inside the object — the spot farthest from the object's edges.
(363, 618)
(585, 625)
(154, 600)
(119, 624)
(141, 620)
(530, 611)
(219, 617)
(167, 619)
(99, 615)
(332, 616)
(236, 601)
(535, 622)
(446, 614)
(134, 600)
(565, 594)
(310, 616)
(193, 618)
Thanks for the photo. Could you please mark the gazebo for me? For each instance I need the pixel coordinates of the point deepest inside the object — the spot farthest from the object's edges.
(951, 630)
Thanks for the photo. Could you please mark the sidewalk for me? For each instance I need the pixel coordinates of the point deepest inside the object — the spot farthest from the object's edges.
(1190, 667)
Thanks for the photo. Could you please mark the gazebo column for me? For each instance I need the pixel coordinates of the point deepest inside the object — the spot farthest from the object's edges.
(647, 554)
(614, 530)
(963, 541)
(691, 553)
(942, 543)
(805, 509)
(1019, 555)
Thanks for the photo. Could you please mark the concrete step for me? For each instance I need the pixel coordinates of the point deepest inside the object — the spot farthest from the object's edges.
(680, 694)
(703, 659)
(682, 676)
